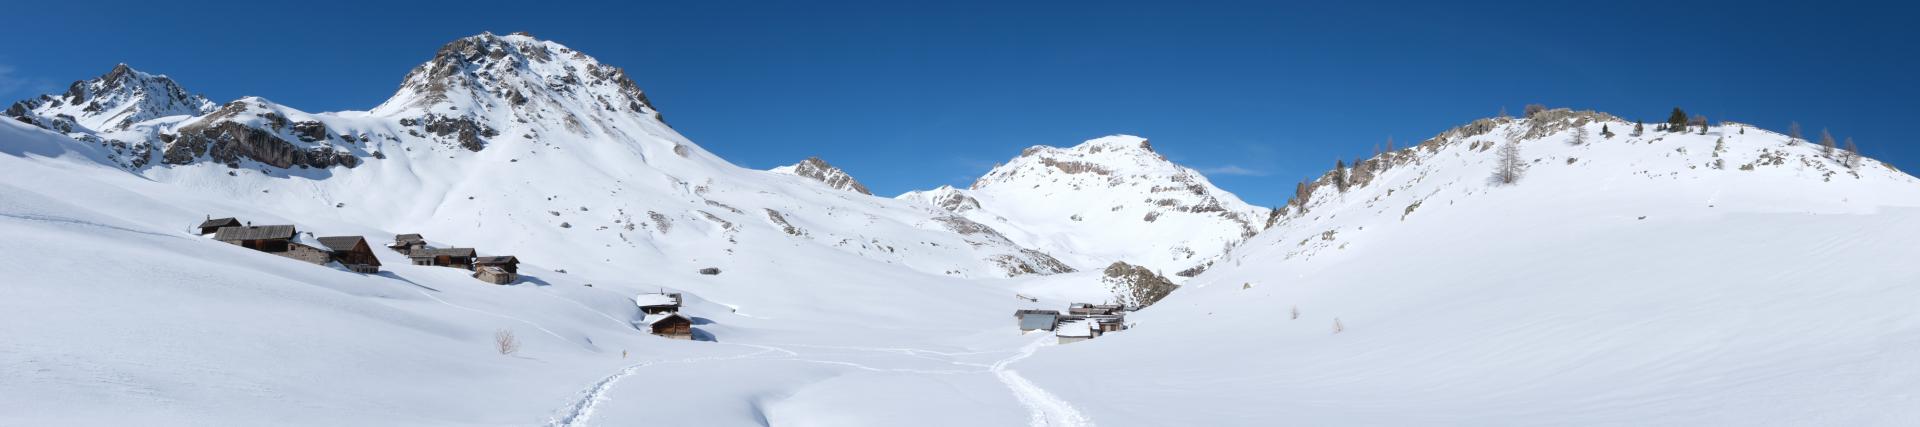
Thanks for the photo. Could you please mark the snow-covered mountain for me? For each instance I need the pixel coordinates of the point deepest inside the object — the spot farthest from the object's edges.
(1110, 199)
(1734, 277)
(818, 170)
(114, 101)
(1730, 278)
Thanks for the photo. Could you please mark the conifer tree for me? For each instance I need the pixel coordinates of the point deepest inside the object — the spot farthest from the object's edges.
(1793, 133)
(1639, 128)
(1340, 174)
(1852, 154)
(1605, 132)
(1677, 121)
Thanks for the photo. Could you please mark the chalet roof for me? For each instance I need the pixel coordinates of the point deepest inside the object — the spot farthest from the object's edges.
(341, 243)
(496, 260)
(657, 318)
(255, 232)
(1041, 322)
(657, 300)
(1020, 313)
(455, 252)
(220, 222)
(408, 238)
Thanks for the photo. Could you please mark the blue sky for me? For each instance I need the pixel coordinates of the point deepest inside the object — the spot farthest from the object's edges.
(908, 96)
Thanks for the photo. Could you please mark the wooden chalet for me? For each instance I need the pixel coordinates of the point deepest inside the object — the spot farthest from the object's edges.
(213, 225)
(351, 252)
(444, 257)
(505, 262)
(671, 325)
(264, 238)
(408, 243)
(660, 303)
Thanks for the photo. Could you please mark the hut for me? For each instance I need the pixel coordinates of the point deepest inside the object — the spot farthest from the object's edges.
(494, 274)
(1085, 309)
(264, 238)
(213, 225)
(1037, 320)
(671, 325)
(444, 257)
(507, 262)
(1074, 331)
(1104, 324)
(658, 303)
(351, 252)
(408, 243)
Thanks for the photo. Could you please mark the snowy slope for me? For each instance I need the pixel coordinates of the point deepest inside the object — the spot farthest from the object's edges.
(1628, 281)
(1108, 199)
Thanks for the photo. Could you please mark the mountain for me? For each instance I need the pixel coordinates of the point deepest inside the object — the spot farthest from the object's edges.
(114, 101)
(1726, 278)
(1110, 199)
(818, 170)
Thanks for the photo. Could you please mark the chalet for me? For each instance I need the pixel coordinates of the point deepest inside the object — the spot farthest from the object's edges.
(1037, 320)
(408, 243)
(507, 262)
(444, 257)
(351, 252)
(264, 238)
(1085, 309)
(671, 325)
(1104, 324)
(494, 274)
(660, 303)
(1074, 331)
(213, 225)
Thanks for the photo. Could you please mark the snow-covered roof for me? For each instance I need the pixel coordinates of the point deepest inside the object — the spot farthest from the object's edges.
(1075, 329)
(656, 299)
(656, 318)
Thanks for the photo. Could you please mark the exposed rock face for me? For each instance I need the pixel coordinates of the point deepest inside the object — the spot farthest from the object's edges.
(250, 129)
(516, 77)
(1136, 286)
(819, 170)
(464, 130)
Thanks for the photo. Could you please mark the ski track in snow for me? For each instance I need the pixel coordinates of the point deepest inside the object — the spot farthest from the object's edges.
(1043, 408)
(581, 410)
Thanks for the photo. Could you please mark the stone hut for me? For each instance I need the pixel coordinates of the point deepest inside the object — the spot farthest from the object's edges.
(444, 257)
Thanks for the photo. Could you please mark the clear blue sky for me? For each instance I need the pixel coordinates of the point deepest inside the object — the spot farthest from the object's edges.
(908, 96)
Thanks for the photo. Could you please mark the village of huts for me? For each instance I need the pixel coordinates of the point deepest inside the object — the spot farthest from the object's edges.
(1081, 322)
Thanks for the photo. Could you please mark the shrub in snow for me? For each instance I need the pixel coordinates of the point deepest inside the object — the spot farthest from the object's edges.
(505, 342)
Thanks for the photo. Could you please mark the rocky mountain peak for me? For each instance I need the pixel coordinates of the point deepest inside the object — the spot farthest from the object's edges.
(820, 170)
(114, 101)
(517, 76)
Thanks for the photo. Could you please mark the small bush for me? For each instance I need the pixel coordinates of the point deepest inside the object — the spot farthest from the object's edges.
(505, 342)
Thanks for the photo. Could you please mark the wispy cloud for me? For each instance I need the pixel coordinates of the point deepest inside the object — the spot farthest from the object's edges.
(1232, 170)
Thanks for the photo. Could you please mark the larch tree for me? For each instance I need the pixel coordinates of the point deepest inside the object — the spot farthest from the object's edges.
(1340, 174)
(1508, 168)
(1700, 121)
(1852, 155)
(1639, 128)
(1793, 133)
(1826, 142)
(1579, 135)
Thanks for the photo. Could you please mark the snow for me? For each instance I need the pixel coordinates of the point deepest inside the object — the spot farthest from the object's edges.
(653, 299)
(1646, 280)
(1107, 199)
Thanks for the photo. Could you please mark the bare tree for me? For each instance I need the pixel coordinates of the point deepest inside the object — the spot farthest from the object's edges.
(1296, 312)
(1579, 135)
(1509, 167)
(1701, 122)
(1852, 155)
(1793, 133)
(1826, 142)
(505, 342)
(1337, 327)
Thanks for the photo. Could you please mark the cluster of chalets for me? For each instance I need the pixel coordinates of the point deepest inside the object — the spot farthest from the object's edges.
(1082, 321)
(352, 253)
(498, 270)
